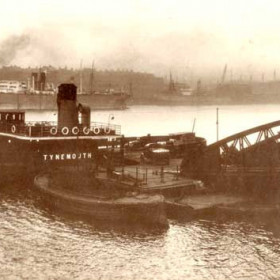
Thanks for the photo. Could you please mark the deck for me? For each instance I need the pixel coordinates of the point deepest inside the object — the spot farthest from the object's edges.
(152, 178)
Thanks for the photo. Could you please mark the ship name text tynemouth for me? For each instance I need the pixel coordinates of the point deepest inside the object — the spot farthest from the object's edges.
(69, 156)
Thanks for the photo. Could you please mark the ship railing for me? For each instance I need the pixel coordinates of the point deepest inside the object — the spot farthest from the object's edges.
(142, 176)
(51, 129)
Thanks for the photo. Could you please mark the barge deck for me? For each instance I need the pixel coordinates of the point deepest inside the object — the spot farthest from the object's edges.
(147, 178)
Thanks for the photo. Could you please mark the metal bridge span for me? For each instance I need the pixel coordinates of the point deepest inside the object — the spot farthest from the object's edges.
(250, 157)
(242, 141)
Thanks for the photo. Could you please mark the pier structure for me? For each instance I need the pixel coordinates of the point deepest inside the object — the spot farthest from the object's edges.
(248, 161)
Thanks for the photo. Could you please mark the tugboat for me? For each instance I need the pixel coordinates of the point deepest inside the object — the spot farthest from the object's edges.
(73, 142)
(63, 157)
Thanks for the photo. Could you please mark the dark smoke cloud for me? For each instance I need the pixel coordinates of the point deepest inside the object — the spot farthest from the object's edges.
(10, 47)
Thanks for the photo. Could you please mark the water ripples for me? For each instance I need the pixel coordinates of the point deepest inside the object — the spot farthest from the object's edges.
(37, 244)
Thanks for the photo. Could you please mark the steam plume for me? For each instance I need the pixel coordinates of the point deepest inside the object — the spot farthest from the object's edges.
(10, 47)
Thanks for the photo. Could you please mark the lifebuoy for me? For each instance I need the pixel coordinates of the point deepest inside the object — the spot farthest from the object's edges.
(86, 130)
(65, 130)
(107, 130)
(96, 130)
(75, 130)
(13, 128)
(53, 130)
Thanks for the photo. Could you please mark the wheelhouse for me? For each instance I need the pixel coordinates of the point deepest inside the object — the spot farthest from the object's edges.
(15, 117)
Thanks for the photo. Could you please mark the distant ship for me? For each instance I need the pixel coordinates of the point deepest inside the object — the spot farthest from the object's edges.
(231, 92)
(37, 94)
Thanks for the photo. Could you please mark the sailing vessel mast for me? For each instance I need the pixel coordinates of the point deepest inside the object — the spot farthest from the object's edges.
(172, 88)
(81, 77)
(92, 77)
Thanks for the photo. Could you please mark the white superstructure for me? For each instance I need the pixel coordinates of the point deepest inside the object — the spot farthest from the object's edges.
(12, 86)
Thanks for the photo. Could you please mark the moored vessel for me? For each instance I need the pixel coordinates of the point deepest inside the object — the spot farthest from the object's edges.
(37, 94)
(73, 142)
(66, 192)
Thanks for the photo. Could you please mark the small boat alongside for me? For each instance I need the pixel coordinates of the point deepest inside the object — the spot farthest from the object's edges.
(101, 204)
(200, 204)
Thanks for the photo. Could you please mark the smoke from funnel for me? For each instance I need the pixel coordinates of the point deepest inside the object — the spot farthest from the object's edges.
(10, 47)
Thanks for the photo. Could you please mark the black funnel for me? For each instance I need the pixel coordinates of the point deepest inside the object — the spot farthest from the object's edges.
(67, 107)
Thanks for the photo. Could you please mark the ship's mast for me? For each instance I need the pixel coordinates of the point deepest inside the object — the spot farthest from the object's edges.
(92, 77)
(171, 84)
(81, 76)
(130, 89)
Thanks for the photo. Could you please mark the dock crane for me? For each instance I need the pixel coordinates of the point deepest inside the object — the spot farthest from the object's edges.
(224, 74)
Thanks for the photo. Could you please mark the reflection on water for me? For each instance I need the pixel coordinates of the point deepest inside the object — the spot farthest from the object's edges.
(36, 243)
(39, 244)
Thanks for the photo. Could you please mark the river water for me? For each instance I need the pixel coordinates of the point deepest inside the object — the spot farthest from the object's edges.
(39, 244)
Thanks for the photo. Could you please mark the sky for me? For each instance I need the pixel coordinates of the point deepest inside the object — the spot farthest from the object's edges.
(189, 38)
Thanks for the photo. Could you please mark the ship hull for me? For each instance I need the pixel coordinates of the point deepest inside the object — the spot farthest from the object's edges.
(133, 209)
(48, 102)
(24, 157)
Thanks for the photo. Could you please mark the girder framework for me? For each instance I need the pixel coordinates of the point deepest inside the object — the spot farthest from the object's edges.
(248, 138)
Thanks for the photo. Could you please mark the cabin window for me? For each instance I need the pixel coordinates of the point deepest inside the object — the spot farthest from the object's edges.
(7, 115)
(19, 117)
(14, 116)
(0, 117)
